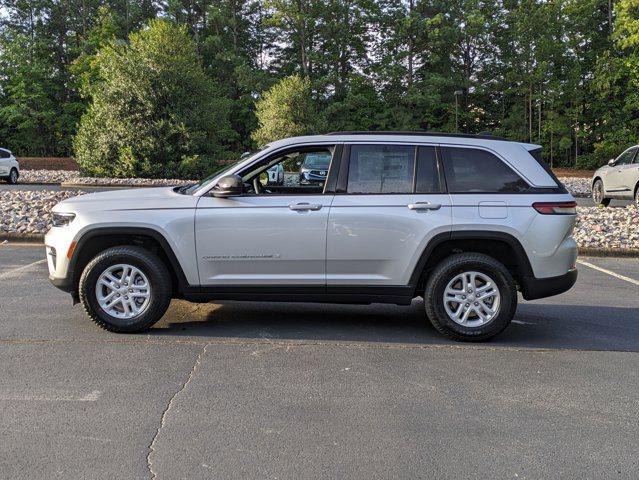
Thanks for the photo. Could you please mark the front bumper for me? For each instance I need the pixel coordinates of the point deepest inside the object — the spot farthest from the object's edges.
(58, 241)
(533, 288)
(64, 284)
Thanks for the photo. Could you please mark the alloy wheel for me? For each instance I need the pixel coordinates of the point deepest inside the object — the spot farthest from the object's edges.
(123, 291)
(472, 299)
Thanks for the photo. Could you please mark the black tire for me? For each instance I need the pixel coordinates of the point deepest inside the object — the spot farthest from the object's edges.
(603, 201)
(13, 176)
(637, 195)
(452, 266)
(158, 276)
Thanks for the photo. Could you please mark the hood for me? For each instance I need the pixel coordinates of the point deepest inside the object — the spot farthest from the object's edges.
(130, 199)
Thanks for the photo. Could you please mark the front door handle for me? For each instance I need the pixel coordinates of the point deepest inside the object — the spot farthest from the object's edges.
(303, 207)
(424, 206)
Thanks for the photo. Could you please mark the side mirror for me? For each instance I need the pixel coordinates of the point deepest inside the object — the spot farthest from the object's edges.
(611, 162)
(228, 186)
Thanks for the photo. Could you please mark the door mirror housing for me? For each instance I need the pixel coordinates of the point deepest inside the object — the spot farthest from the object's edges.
(611, 162)
(228, 186)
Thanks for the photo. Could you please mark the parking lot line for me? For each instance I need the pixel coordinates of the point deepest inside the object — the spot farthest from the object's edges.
(10, 273)
(609, 272)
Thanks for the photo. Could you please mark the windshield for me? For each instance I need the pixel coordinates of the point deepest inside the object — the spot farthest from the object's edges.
(219, 171)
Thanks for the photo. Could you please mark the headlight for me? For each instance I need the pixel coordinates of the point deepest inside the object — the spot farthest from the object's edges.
(62, 219)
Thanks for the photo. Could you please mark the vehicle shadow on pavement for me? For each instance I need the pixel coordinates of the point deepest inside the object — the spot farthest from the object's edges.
(536, 325)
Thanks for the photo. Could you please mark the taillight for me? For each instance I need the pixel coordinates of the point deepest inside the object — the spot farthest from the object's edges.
(556, 208)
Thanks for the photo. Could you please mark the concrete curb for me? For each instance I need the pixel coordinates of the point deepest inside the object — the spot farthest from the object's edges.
(605, 252)
(22, 237)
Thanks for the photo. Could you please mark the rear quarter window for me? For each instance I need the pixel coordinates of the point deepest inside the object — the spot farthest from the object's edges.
(470, 170)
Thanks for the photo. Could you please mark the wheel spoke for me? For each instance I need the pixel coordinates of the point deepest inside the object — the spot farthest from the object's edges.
(113, 303)
(108, 296)
(106, 283)
(485, 295)
(487, 308)
(481, 314)
(455, 295)
(464, 280)
(464, 318)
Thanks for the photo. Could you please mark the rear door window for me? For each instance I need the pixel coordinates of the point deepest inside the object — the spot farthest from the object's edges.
(381, 169)
(4, 153)
(470, 170)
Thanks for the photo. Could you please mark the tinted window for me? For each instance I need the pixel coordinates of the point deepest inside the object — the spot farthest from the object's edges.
(428, 179)
(471, 170)
(4, 153)
(381, 169)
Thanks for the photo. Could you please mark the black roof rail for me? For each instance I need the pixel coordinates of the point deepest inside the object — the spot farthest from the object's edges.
(482, 135)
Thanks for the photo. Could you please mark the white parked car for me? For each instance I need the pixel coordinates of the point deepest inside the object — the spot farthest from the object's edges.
(619, 179)
(463, 221)
(9, 166)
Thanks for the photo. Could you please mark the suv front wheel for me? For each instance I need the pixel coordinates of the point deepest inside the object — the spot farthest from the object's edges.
(125, 289)
(598, 194)
(470, 297)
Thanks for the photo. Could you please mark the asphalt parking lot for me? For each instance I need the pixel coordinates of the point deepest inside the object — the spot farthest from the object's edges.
(254, 390)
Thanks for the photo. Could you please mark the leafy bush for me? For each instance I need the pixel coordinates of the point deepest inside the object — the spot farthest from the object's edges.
(154, 112)
(287, 110)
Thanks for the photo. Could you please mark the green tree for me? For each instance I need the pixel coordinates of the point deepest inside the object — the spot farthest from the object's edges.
(153, 112)
(286, 110)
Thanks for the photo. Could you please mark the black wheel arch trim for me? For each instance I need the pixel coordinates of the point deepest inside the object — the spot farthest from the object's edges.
(69, 282)
(522, 259)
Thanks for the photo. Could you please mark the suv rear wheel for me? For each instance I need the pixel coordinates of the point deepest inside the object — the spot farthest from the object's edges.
(125, 289)
(13, 176)
(470, 297)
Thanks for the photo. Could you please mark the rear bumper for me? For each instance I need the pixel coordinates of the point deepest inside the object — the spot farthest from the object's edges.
(533, 288)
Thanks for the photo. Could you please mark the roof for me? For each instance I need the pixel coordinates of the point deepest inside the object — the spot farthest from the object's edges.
(482, 135)
(404, 137)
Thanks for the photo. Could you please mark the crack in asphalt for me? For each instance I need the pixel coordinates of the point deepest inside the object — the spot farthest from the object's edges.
(165, 412)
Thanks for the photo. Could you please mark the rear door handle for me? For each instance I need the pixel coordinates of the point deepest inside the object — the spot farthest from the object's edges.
(302, 207)
(424, 206)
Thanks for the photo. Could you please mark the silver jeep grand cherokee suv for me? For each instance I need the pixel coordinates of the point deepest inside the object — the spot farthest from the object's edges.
(462, 221)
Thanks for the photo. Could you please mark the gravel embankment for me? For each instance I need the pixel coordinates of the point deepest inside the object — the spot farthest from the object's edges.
(579, 187)
(25, 212)
(608, 228)
(28, 212)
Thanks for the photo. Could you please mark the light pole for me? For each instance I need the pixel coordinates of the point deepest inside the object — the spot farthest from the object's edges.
(457, 92)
